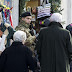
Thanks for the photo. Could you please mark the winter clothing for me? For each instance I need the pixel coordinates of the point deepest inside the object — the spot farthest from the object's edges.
(54, 48)
(17, 58)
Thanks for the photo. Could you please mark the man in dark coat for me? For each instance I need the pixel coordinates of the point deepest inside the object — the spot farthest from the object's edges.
(17, 57)
(54, 47)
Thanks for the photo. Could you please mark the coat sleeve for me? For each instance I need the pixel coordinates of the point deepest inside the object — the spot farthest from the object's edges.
(69, 45)
(31, 61)
(2, 61)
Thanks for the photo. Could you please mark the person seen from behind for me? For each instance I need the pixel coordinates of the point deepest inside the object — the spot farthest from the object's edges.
(54, 46)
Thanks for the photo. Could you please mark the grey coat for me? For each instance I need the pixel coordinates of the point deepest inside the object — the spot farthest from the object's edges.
(54, 48)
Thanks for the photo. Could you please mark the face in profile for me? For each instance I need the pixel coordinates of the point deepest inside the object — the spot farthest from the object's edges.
(27, 19)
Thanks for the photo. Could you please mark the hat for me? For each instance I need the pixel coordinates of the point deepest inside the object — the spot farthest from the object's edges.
(57, 17)
(26, 14)
(46, 22)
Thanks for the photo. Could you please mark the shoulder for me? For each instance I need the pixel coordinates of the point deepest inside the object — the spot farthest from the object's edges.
(18, 27)
(5, 51)
(27, 50)
(65, 33)
(64, 30)
(44, 30)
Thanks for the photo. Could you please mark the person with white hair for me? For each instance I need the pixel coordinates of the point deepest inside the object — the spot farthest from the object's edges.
(54, 46)
(56, 17)
(17, 57)
(19, 36)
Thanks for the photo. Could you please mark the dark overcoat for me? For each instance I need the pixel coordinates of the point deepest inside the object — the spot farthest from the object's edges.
(17, 58)
(54, 48)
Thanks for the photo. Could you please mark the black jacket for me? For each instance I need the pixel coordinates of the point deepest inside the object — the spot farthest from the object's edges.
(54, 48)
(17, 58)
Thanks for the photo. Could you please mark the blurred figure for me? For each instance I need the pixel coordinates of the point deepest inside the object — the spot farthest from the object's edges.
(54, 46)
(17, 57)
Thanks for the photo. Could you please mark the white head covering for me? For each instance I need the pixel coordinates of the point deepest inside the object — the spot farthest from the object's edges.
(19, 36)
(57, 17)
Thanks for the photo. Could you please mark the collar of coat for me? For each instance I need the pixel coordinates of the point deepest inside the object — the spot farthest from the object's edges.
(56, 24)
(16, 43)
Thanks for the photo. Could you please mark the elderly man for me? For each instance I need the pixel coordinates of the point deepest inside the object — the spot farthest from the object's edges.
(54, 46)
(17, 57)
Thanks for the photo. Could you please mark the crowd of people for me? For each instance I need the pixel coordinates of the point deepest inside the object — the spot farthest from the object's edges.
(49, 51)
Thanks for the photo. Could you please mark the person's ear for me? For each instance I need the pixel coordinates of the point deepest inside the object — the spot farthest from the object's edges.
(23, 18)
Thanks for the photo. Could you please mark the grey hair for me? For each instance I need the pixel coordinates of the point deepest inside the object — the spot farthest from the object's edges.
(19, 36)
(57, 17)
